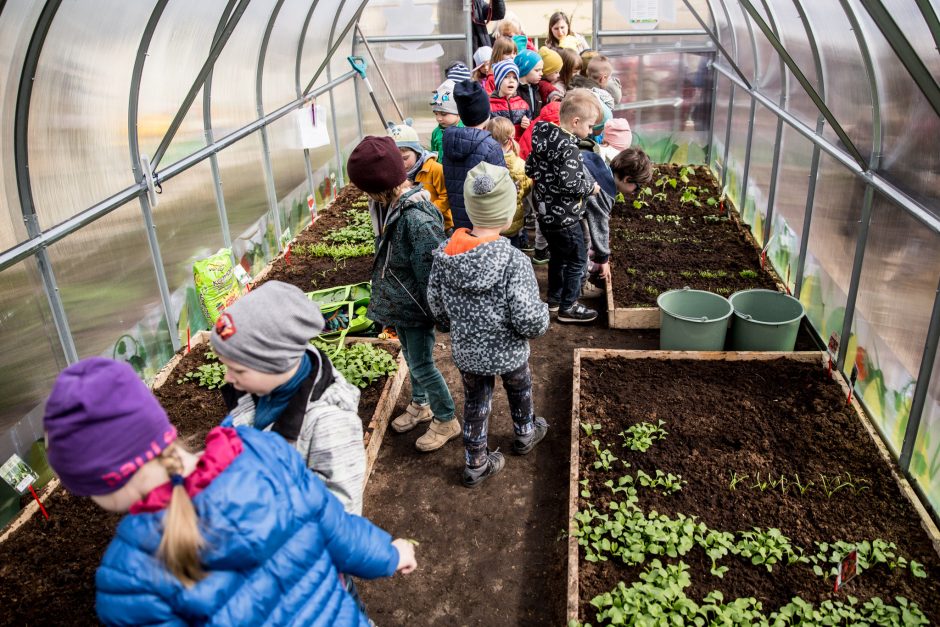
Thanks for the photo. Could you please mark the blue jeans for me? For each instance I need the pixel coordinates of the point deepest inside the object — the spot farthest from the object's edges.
(427, 382)
(566, 264)
(478, 401)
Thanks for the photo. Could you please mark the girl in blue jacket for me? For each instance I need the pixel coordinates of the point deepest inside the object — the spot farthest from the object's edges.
(241, 534)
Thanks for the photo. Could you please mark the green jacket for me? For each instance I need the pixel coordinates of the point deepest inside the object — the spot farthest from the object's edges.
(437, 141)
(406, 235)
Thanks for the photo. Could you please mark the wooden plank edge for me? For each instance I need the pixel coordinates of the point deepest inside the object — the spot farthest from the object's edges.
(201, 337)
(573, 591)
(31, 508)
(383, 413)
(604, 353)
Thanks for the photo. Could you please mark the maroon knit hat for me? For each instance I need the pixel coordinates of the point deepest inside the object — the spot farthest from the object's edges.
(102, 424)
(375, 165)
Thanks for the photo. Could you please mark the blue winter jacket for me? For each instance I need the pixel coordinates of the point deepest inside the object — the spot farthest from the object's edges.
(463, 149)
(275, 538)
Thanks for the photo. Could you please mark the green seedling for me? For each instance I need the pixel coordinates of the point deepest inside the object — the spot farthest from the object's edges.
(689, 195)
(590, 429)
(584, 489)
(802, 487)
(641, 436)
(605, 459)
(210, 376)
(713, 219)
(662, 181)
(360, 363)
(712, 201)
(639, 204)
(712, 274)
(661, 197)
(685, 172)
(668, 483)
(760, 485)
(748, 274)
(735, 480)
(831, 485)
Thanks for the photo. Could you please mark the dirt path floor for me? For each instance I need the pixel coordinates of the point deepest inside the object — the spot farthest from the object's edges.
(495, 555)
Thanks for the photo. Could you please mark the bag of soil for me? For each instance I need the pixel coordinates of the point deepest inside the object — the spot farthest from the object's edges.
(216, 283)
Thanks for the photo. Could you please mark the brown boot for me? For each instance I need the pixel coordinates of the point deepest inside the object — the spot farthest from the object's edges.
(413, 415)
(439, 434)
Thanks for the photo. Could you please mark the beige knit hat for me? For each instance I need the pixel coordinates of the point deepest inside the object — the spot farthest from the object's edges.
(489, 196)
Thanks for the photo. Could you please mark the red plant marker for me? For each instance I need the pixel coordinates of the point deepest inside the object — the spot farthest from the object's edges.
(188, 345)
(721, 207)
(829, 368)
(312, 206)
(287, 255)
(852, 379)
(36, 496)
(787, 283)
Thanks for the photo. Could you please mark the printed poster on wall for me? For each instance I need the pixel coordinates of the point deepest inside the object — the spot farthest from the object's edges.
(646, 14)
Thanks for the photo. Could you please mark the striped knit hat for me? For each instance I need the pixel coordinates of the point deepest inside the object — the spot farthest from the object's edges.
(457, 72)
(503, 69)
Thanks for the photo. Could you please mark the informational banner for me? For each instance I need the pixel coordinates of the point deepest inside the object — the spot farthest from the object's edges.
(646, 14)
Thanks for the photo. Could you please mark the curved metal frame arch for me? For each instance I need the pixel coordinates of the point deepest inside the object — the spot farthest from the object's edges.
(300, 52)
(749, 142)
(337, 150)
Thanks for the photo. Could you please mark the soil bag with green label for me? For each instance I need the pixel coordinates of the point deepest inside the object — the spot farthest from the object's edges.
(216, 283)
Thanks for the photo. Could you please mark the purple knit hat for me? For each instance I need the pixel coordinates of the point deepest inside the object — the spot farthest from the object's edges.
(102, 424)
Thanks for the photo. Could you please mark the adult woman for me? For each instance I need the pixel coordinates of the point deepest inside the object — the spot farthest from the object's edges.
(559, 27)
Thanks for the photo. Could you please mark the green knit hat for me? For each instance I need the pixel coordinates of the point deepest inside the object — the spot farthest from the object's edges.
(489, 196)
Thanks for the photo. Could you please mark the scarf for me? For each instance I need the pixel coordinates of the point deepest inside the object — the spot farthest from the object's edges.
(424, 156)
(270, 406)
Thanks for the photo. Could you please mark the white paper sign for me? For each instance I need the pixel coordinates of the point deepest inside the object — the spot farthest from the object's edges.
(311, 122)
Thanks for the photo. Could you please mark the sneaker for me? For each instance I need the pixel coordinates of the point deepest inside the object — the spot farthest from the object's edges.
(577, 313)
(525, 443)
(472, 477)
(591, 291)
(540, 256)
(527, 247)
(439, 434)
(553, 307)
(414, 415)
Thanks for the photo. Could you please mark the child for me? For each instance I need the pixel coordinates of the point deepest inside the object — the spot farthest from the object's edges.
(551, 70)
(617, 138)
(586, 56)
(488, 292)
(511, 28)
(422, 167)
(282, 384)
(502, 131)
(481, 64)
(549, 113)
(457, 71)
(407, 229)
(601, 71)
(445, 112)
(241, 534)
(561, 184)
(504, 102)
(632, 170)
(466, 147)
(503, 50)
(530, 66)
(570, 66)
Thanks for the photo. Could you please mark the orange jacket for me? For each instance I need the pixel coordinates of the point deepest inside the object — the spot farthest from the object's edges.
(431, 177)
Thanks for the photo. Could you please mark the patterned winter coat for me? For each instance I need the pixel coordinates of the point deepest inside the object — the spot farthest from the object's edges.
(322, 422)
(491, 298)
(463, 149)
(276, 539)
(513, 109)
(598, 206)
(406, 235)
(561, 182)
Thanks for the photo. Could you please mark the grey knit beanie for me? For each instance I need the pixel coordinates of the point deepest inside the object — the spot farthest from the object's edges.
(267, 329)
(489, 196)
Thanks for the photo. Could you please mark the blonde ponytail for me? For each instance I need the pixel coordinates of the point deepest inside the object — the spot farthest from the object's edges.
(179, 548)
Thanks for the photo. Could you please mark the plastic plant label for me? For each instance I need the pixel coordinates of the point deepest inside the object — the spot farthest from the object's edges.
(241, 274)
(17, 474)
(848, 568)
(834, 344)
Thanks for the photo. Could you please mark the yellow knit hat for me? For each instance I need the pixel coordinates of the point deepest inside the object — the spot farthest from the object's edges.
(551, 60)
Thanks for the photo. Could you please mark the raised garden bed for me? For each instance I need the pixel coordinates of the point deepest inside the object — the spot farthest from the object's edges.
(311, 272)
(55, 561)
(732, 425)
(673, 237)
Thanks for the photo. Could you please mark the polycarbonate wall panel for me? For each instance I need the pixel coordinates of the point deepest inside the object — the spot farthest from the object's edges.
(78, 115)
(742, 46)
(617, 15)
(30, 353)
(796, 154)
(738, 146)
(414, 17)
(234, 102)
(925, 462)
(754, 210)
(911, 127)
(188, 228)
(722, 114)
(316, 42)
(277, 79)
(769, 79)
(793, 34)
(831, 248)
(16, 25)
(895, 299)
(108, 286)
(290, 173)
(179, 47)
(246, 203)
(346, 121)
(848, 92)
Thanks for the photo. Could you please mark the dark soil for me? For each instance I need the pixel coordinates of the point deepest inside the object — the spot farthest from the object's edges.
(496, 555)
(773, 418)
(314, 273)
(47, 569)
(651, 254)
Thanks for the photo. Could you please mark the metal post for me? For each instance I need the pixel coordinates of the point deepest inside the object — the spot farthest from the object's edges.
(162, 284)
(270, 185)
(778, 136)
(924, 377)
(337, 149)
(724, 159)
(401, 116)
(596, 16)
(300, 49)
(468, 26)
(356, 95)
(850, 302)
(808, 213)
(747, 157)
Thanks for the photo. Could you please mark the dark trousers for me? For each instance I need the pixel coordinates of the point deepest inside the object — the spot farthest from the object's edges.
(478, 401)
(566, 264)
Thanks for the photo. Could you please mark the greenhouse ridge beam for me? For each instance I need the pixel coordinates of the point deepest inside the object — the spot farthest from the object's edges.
(897, 196)
(197, 84)
(930, 17)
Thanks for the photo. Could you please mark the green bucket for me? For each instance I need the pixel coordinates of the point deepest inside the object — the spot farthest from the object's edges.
(765, 320)
(692, 320)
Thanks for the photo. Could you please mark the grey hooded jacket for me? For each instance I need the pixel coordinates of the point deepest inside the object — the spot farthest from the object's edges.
(491, 298)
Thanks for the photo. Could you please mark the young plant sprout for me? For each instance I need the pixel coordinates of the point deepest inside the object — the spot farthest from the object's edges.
(641, 436)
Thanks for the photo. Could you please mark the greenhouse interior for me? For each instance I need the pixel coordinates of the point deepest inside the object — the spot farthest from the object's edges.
(743, 422)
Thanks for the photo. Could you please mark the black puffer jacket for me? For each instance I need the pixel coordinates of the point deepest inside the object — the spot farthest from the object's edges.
(483, 13)
(560, 181)
(463, 149)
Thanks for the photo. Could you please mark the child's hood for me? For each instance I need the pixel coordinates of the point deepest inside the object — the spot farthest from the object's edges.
(460, 143)
(478, 269)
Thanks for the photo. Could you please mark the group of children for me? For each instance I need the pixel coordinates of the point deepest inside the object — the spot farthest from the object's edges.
(264, 525)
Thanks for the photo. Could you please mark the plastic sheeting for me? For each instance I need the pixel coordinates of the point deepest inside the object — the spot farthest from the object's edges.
(925, 462)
